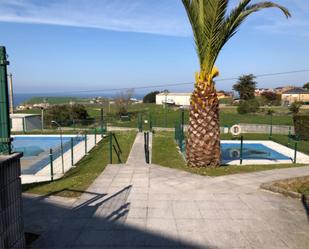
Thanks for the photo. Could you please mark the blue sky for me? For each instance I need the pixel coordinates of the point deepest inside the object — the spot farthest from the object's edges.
(64, 45)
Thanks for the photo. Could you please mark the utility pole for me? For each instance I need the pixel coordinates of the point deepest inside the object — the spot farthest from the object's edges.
(11, 93)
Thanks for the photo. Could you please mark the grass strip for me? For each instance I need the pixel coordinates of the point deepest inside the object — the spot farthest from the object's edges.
(78, 179)
(165, 153)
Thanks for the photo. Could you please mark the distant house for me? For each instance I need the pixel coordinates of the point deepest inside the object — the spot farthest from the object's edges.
(282, 89)
(41, 106)
(181, 99)
(223, 94)
(295, 95)
(25, 122)
(260, 91)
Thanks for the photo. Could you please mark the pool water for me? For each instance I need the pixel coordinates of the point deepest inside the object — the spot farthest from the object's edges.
(255, 151)
(35, 145)
(35, 150)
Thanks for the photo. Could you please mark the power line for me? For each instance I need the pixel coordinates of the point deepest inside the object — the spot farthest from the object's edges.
(187, 83)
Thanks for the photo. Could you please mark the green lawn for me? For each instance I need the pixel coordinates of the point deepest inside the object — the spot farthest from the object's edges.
(228, 115)
(78, 179)
(165, 153)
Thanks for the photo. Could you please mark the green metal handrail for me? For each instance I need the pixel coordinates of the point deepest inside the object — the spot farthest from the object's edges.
(5, 126)
(116, 148)
(117, 153)
(116, 140)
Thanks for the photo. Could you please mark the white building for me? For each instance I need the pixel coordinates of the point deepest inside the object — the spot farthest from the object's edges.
(25, 122)
(295, 95)
(181, 99)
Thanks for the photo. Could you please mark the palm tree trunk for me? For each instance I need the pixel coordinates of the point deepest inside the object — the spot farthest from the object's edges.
(203, 142)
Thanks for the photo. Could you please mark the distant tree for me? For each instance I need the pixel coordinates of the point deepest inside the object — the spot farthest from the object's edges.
(66, 115)
(271, 98)
(306, 86)
(150, 97)
(123, 101)
(245, 86)
(79, 112)
(295, 107)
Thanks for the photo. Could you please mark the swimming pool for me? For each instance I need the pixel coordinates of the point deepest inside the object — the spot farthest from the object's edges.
(35, 149)
(253, 151)
(257, 152)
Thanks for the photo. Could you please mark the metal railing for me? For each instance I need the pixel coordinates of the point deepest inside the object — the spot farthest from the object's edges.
(114, 145)
(180, 136)
(44, 158)
(146, 147)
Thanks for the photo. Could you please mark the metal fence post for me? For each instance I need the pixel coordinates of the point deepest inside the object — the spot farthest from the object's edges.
(150, 122)
(165, 116)
(182, 119)
(102, 121)
(5, 128)
(51, 164)
(241, 149)
(72, 151)
(271, 126)
(42, 119)
(146, 146)
(95, 136)
(110, 148)
(140, 122)
(295, 152)
(289, 136)
(86, 150)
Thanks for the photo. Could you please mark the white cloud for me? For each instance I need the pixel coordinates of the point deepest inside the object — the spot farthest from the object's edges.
(165, 17)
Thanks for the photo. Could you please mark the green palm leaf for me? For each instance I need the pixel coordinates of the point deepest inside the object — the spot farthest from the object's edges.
(213, 27)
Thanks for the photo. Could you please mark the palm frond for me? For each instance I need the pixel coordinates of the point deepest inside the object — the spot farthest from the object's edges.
(240, 14)
(212, 27)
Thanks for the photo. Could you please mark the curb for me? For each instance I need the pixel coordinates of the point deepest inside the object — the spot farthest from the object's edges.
(270, 187)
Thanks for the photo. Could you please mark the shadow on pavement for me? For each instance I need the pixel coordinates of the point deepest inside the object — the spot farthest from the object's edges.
(94, 221)
(305, 202)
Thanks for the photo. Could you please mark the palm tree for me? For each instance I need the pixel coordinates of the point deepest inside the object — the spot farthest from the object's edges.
(212, 27)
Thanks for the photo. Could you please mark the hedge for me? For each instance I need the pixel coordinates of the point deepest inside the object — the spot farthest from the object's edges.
(301, 124)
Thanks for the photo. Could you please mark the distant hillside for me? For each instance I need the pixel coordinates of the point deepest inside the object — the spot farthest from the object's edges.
(56, 100)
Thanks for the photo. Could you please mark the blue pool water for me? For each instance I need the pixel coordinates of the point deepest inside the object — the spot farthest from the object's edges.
(256, 151)
(35, 150)
(35, 145)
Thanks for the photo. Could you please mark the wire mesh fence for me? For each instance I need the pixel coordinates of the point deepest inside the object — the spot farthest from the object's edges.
(48, 157)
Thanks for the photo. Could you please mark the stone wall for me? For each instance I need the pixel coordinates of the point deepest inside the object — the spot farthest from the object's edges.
(11, 220)
(262, 128)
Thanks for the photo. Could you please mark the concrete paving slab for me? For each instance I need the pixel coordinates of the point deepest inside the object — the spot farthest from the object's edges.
(147, 206)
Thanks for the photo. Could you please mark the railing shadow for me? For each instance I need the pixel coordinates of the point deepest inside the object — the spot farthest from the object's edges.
(95, 220)
(305, 203)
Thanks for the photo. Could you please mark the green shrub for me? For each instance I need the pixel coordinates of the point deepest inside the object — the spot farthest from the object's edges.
(295, 107)
(248, 106)
(301, 124)
(67, 115)
(270, 98)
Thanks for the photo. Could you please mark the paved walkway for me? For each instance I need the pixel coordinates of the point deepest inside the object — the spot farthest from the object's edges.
(148, 206)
